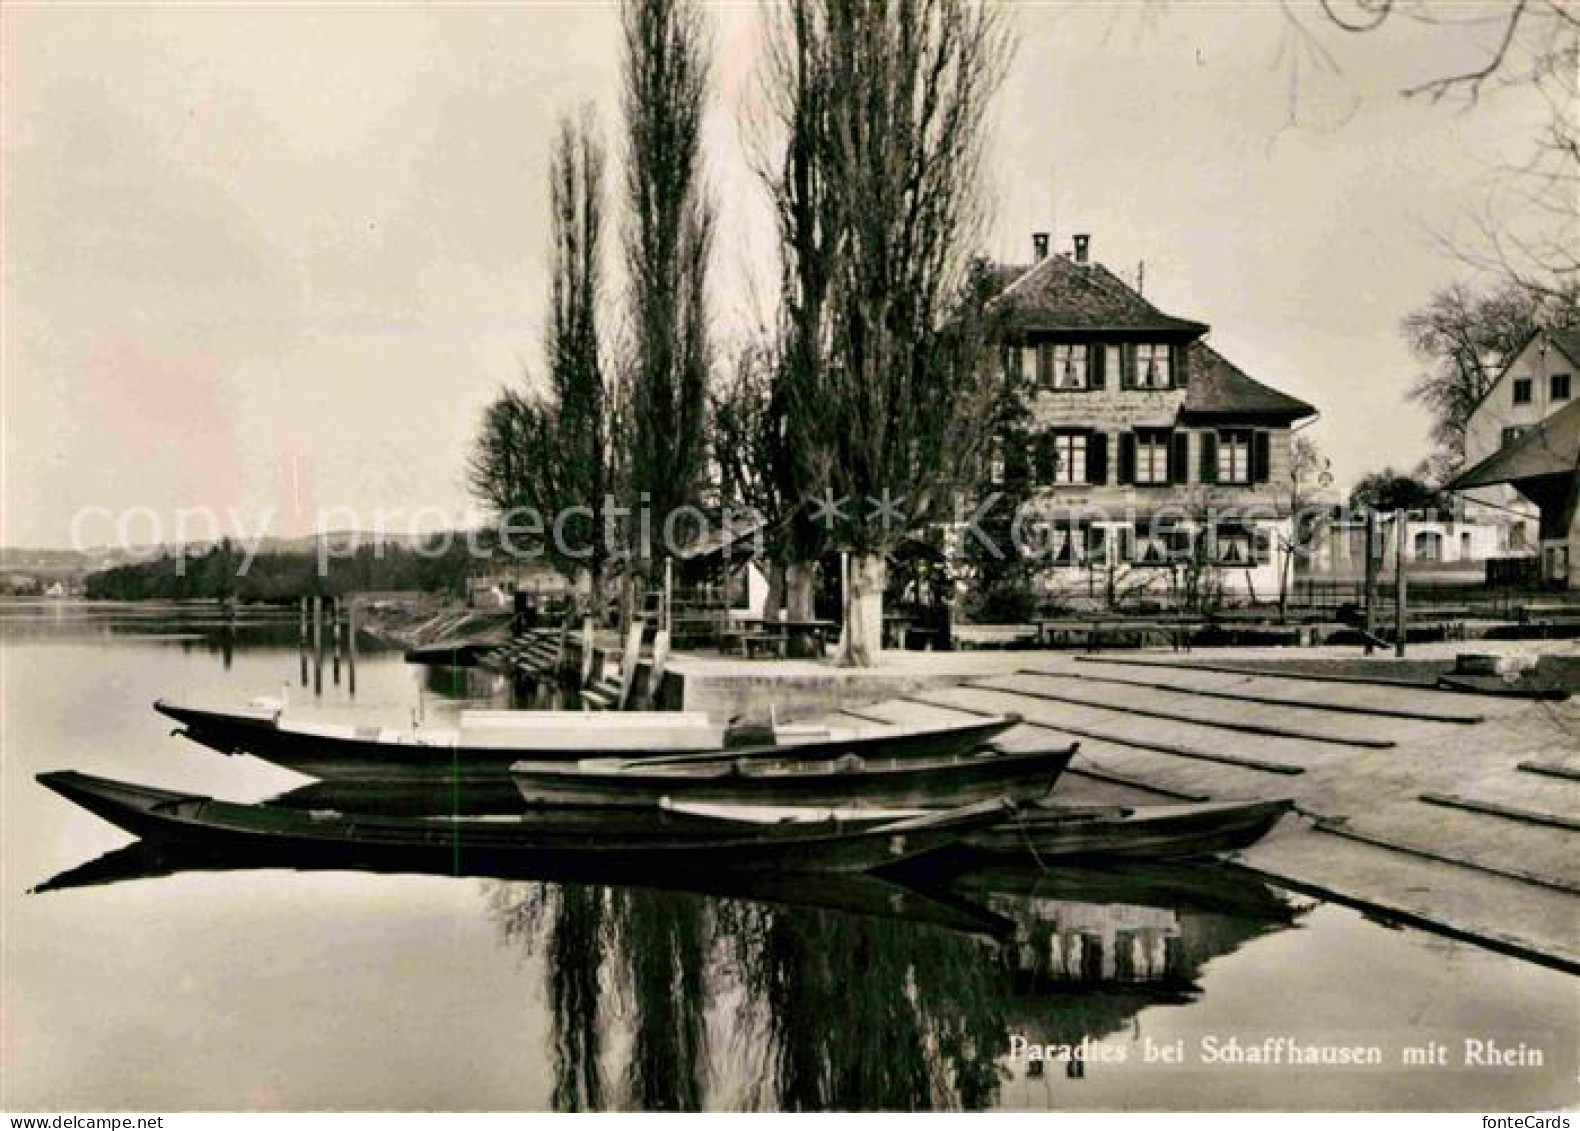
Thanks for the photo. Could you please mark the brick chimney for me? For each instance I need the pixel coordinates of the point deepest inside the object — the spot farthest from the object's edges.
(1039, 246)
(1083, 245)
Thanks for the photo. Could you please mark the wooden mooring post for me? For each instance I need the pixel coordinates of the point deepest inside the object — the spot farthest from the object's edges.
(336, 642)
(1400, 585)
(1371, 578)
(351, 647)
(301, 637)
(318, 645)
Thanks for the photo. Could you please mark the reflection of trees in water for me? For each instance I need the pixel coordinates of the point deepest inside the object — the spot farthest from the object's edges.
(652, 947)
(862, 1013)
(575, 961)
(835, 1010)
(663, 955)
(823, 1009)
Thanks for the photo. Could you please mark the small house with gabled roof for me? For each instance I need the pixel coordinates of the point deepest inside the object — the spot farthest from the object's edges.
(1538, 381)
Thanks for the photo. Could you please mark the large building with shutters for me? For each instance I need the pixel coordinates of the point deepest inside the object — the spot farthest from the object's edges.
(1144, 453)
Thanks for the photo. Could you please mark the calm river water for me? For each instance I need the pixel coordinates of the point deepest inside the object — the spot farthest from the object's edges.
(136, 985)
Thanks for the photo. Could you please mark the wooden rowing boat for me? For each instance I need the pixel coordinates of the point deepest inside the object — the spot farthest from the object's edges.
(164, 815)
(1045, 830)
(487, 743)
(797, 779)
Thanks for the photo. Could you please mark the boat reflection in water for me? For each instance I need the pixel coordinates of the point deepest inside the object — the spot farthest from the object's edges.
(820, 992)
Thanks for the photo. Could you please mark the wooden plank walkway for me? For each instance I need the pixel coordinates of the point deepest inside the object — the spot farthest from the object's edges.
(1260, 673)
(1458, 820)
(1242, 724)
(1266, 700)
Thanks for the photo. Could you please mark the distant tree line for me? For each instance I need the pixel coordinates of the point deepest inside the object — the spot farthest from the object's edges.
(441, 566)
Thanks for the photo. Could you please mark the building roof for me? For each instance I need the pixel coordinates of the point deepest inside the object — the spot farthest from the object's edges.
(734, 534)
(1218, 387)
(1058, 293)
(1565, 338)
(1549, 448)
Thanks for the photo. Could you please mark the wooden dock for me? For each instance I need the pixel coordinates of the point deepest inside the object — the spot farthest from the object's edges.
(1454, 812)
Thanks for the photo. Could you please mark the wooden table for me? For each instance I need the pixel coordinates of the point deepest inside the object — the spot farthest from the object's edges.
(805, 637)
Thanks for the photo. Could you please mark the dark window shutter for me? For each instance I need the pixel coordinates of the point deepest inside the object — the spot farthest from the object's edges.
(1209, 457)
(1012, 362)
(1044, 365)
(1096, 365)
(1097, 545)
(1097, 457)
(1178, 366)
(1015, 460)
(1179, 457)
(1261, 456)
(1127, 366)
(1127, 457)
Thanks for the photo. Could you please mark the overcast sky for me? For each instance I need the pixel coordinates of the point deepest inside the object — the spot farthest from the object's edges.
(275, 260)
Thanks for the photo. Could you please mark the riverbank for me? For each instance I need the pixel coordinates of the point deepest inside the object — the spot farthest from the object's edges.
(1452, 811)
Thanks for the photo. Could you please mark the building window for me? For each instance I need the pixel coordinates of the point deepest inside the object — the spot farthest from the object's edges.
(1069, 457)
(1559, 386)
(1234, 457)
(1160, 543)
(1522, 390)
(1152, 457)
(1235, 546)
(1065, 543)
(1428, 546)
(1030, 370)
(1513, 433)
(1069, 366)
(1152, 365)
(1464, 547)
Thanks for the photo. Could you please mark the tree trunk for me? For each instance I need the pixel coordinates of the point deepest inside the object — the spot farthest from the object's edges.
(632, 586)
(776, 589)
(800, 590)
(862, 640)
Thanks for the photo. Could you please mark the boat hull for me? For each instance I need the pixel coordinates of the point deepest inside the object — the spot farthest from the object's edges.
(370, 754)
(903, 783)
(475, 845)
(1044, 832)
(1153, 832)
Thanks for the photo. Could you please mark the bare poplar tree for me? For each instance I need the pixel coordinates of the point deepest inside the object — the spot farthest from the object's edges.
(883, 104)
(584, 407)
(670, 235)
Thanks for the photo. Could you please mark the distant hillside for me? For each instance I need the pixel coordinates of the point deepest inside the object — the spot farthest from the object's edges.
(274, 573)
